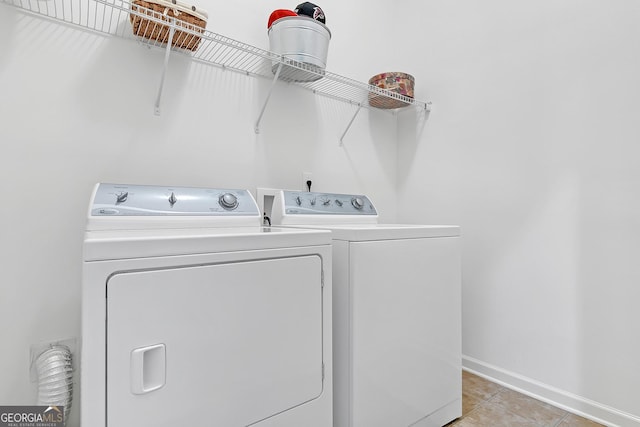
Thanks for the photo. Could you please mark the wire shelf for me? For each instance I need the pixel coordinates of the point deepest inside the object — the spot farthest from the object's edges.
(114, 17)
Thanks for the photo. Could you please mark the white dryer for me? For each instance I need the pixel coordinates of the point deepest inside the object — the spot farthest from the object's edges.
(396, 312)
(195, 315)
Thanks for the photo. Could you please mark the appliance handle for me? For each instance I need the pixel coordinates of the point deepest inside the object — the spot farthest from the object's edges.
(148, 368)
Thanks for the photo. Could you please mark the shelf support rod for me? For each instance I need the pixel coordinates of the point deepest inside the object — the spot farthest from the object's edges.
(266, 101)
(350, 123)
(167, 52)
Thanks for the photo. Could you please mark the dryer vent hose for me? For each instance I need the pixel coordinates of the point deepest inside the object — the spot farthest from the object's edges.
(55, 378)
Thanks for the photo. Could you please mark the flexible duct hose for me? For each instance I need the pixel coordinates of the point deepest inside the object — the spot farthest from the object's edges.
(55, 378)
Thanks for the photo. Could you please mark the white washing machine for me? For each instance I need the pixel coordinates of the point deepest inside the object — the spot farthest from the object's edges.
(195, 315)
(396, 312)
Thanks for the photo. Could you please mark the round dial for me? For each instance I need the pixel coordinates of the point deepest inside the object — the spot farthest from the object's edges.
(228, 201)
(357, 203)
(122, 197)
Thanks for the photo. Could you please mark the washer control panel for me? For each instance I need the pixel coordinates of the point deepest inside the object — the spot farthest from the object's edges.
(311, 203)
(151, 200)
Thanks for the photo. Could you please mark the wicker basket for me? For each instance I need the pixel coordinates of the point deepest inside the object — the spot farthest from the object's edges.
(187, 17)
(400, 83)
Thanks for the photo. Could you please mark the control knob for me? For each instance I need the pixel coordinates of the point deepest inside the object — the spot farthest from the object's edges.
(357, 203)
(172, 199)
(298, 201)
(228, 201)
(122, 197)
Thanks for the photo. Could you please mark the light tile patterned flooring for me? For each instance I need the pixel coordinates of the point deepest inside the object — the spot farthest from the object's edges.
(486, 404)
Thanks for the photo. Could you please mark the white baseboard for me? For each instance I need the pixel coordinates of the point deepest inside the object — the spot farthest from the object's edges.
(570, 402)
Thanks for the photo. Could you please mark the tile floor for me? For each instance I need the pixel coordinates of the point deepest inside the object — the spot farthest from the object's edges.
(486, 404)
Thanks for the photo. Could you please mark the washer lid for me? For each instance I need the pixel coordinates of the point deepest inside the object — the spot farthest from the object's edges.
(369, 232)
(350, 217)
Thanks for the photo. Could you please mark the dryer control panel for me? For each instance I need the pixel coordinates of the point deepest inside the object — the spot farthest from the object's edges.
(150, 200)
(132, 207)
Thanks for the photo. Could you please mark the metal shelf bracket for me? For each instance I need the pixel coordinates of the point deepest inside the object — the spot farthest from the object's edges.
(350, 123)
(266, 101)
(167, 53)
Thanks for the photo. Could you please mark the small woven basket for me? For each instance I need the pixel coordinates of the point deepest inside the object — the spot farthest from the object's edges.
(185, 17)
(400, 83)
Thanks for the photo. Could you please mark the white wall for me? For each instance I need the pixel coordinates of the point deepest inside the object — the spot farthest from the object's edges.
(532, 147)
(77, 108)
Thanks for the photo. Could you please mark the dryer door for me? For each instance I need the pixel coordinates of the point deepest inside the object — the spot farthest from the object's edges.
(213, 345)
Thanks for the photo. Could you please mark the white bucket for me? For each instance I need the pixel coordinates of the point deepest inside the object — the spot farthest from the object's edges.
(302, 39)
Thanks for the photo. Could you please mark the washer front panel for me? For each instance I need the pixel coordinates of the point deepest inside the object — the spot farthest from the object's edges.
(405, 332)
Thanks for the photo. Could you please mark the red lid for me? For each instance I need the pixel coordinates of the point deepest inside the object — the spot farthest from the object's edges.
(280, 13)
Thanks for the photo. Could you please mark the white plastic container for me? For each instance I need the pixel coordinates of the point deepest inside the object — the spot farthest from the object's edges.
(302, 39)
